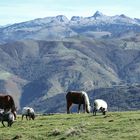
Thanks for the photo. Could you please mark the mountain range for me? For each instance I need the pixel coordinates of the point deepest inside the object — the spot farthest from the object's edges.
(42, 59)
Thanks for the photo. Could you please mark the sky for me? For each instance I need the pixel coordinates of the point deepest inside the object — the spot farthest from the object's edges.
(16, 11)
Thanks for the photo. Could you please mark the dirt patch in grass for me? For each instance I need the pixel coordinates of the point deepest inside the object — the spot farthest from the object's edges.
(55, 132)
(74, 131)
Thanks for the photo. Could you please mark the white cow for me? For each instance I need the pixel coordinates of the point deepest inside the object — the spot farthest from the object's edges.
(28, 112)
(100, 105)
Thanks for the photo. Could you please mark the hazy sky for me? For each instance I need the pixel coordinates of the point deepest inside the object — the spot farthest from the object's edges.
(14, 11)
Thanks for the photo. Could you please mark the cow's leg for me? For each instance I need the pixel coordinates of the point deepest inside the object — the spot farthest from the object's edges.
(3, 123)
(94, 111)
(26, 117)
(79, 106)
(84, 108)
(68, 107)
(22, 117)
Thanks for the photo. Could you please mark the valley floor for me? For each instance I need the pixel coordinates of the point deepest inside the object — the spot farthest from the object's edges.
(113, 126)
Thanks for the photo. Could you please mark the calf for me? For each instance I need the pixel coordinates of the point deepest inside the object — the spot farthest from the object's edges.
(100, 105)
(7, 117)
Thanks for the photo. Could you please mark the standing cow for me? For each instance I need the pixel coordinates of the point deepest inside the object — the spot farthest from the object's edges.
(28, 112)
(80, 98)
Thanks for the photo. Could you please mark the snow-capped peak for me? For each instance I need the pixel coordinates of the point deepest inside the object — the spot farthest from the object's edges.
(62, 18)
(98, 14)
(123, 16)
(76, 18)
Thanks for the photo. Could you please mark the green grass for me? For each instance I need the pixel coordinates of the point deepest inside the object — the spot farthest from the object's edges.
(113, 126)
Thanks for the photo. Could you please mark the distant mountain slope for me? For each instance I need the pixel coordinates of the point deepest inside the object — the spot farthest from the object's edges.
(54, 67)
(118, 98)
(50, 56)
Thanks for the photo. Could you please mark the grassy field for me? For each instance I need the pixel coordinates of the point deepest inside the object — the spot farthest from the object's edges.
(113, 126)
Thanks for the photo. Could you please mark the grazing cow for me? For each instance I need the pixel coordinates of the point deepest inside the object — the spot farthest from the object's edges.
(100, 105)
(7, 103)
(28, 112)
(78, 97)
(7, 117)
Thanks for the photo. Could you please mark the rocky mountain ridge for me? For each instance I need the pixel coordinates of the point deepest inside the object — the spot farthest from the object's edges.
(60, 27)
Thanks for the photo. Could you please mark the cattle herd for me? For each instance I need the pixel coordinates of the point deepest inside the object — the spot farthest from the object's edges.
(73, 97)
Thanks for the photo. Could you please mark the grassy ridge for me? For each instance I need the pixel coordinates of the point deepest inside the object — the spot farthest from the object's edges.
(113, 126)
